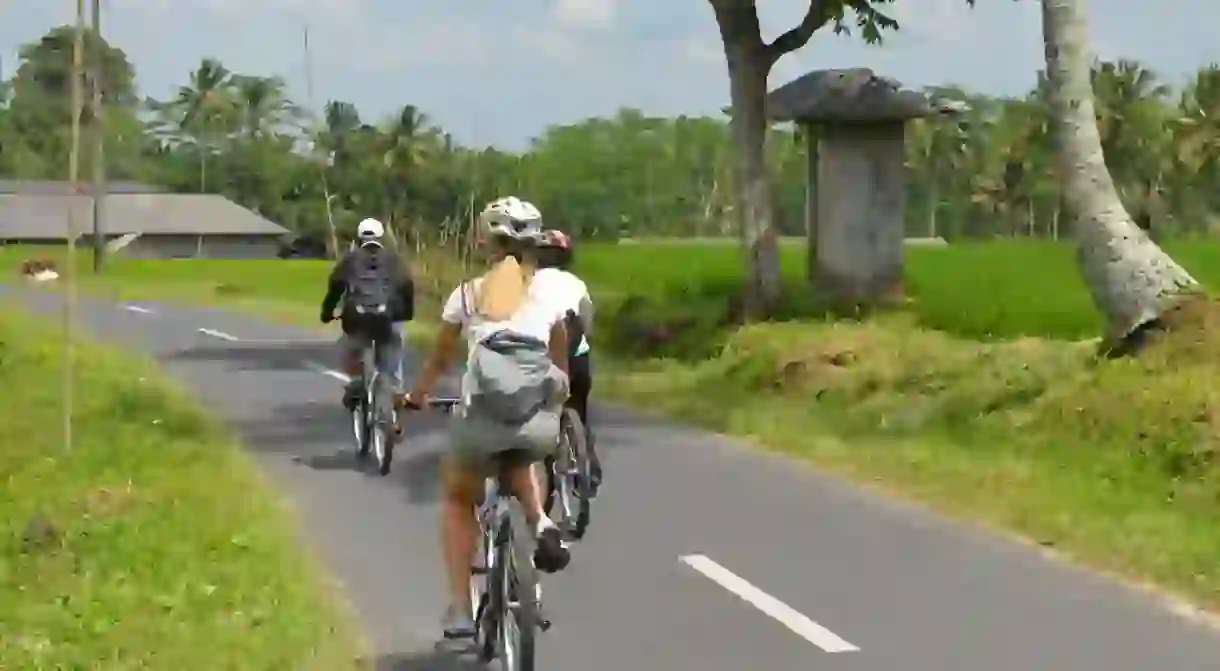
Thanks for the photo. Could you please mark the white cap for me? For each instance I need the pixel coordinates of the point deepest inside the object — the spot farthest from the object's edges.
(370, 229)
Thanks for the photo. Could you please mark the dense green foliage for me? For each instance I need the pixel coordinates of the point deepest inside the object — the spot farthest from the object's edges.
(984, 173)
(677, 298)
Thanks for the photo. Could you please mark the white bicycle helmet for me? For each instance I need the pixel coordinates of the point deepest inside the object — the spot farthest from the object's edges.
(512, 218)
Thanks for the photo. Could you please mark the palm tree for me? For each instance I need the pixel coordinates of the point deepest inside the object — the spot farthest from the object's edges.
(1132, 123)
(1196, 141)
(1131, 279)
(262, 104)
(407, 142)
(340, 120)
(201, 108)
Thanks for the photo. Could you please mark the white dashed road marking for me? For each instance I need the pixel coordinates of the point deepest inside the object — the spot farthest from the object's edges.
(137, 308)
(804, 627)
(319, 368)
(219, 334)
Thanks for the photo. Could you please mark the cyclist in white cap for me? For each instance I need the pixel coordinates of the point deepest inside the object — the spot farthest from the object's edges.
(370, 277)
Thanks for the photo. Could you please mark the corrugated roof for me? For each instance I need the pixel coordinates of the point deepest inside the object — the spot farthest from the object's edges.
(30, 217)
(37, 187)
(852, 95)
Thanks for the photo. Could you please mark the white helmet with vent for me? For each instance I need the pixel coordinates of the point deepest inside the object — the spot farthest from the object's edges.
(512, 218)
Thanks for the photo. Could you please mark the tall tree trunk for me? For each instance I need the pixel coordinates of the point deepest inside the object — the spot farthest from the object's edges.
(748, 71)
(749, 63)
(1131, 279)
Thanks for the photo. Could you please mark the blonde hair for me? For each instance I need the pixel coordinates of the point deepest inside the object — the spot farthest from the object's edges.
(505, 286)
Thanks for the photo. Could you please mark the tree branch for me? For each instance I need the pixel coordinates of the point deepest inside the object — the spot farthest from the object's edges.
(868, 18)
(816, 16)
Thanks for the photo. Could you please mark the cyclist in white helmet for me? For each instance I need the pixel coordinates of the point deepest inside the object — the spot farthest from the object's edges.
(555, 263)
(512, 393)
(368, 276)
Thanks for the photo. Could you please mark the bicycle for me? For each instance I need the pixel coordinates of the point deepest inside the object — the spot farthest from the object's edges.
(569, 476)
(506, 601)
(374, 416)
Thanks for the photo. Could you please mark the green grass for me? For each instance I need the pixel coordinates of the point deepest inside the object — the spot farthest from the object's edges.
(984, 290)
(1114, 463)
(283, 290)
(153, 543)
(987, 290)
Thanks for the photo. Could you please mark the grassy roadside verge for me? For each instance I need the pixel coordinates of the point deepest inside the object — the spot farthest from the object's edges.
(1110, 464)
(154, 544)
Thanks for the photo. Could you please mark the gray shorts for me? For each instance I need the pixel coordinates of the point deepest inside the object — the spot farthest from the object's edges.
(389, 353)
(476, 440)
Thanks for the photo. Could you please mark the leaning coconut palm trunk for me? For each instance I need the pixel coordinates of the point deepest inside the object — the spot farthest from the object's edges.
(1131, 279)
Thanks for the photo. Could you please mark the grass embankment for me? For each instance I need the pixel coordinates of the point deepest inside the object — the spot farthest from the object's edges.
(283, 290)
(152, 544)
(977, 398)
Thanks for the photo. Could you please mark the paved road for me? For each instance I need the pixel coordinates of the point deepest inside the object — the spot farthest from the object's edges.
(702, 554)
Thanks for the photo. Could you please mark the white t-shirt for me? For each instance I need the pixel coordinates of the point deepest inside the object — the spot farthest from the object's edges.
(572, 294)
(536, 316)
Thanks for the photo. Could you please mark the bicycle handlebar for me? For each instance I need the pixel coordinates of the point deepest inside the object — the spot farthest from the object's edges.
(446, 403)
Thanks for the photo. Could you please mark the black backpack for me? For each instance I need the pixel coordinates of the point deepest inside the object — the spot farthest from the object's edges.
(369, 301)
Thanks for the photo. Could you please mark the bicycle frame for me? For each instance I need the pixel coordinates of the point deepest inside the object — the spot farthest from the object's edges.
(370, 377)
(491, 515)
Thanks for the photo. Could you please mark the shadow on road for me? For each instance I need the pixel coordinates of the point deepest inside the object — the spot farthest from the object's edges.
(272, 356)
(430, 661)
(318, 435)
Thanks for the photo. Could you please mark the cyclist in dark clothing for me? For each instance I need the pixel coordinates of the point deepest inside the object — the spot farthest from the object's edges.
(555, 256)
(377, 296)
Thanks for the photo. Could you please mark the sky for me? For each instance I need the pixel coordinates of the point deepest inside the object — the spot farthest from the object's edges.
(500, 71)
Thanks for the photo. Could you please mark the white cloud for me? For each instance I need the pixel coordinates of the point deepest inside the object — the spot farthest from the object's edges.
(702, 51)
(586, 13)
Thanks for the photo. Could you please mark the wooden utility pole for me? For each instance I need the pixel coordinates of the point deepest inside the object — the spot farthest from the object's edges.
(99, 140)
(330, 214)
(69, 354)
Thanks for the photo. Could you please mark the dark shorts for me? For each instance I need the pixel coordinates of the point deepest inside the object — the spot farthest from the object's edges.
(580, 380)
(389, 351)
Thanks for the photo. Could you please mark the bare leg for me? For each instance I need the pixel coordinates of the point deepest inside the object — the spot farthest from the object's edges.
(551, 554)
(352, 365)
(459, 532)
(524, 483)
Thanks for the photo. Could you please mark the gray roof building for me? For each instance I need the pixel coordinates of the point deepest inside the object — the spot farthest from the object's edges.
(141, 220)
(45, 217)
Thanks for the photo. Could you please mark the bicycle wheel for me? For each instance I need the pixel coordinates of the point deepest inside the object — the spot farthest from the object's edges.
(580, 482)
(552, 481)
(381, 424)
(482, 589)
(517, 613)
(557, 467)
(362, 414)
(360, 428)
